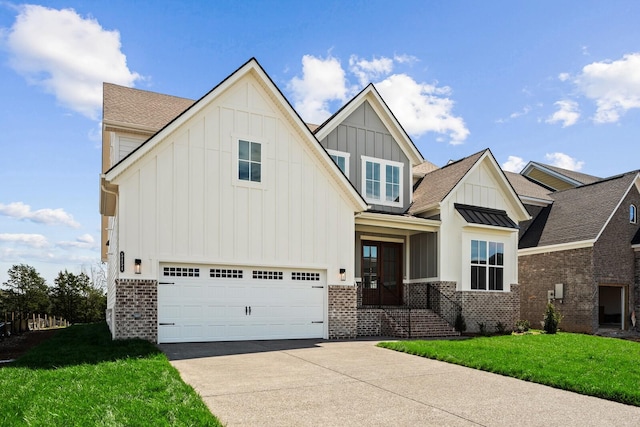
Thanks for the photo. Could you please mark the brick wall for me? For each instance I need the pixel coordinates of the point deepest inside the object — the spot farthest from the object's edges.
(490, 308)
(370, 322)
(136, 309)
(636, 303)
(343, 318)
(415, 295)
(574, 268)
(477, 307)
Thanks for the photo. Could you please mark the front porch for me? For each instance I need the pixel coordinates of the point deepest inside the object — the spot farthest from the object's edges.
(424, 312)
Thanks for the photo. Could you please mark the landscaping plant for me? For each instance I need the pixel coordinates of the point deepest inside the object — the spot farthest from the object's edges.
(551, 319)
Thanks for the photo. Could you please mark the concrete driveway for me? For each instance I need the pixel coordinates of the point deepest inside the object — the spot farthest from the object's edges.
(352, 383)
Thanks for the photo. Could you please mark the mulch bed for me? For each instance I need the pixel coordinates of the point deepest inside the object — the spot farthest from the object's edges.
(17, 345)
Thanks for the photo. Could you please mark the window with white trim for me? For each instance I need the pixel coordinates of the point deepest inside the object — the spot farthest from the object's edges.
(382, 181)
(633, 214)
(249, 161)
(341, 159)
(487, 265)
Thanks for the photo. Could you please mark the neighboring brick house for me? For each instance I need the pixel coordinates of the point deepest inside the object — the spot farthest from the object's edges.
(581, 245)
(229, 218)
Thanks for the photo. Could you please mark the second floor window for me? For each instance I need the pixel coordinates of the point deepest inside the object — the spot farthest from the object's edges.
(341, 159)
(382, 181)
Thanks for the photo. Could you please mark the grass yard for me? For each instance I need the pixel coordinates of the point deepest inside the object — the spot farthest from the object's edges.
(80, 378)
(603, 367)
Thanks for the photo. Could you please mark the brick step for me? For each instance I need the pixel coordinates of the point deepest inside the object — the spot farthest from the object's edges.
(423, 322)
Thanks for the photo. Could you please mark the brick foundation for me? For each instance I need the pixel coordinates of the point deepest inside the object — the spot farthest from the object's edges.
(343, 318)
(136, 309)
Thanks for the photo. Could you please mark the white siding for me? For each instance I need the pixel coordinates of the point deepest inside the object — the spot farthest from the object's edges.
(183, 203)
(480, 187)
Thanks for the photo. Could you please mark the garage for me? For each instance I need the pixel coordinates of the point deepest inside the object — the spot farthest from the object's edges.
(220, 303)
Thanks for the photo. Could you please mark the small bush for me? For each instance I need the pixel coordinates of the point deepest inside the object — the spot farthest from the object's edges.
(460, 324)
(551, 319)
(501, 328)
(522, 326)
(482, 328)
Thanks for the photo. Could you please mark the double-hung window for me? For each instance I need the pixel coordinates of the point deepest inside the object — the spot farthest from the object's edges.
(249, 161)
(487, 265)
(341, 159)
(382, 181)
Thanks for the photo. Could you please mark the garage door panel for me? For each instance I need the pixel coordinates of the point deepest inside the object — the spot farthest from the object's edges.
(282, 304)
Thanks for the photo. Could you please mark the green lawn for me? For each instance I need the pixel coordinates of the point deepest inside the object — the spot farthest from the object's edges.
(82, 378)
(596, 366)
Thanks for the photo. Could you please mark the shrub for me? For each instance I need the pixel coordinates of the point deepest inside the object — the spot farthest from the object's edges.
(522, 325)
(460, 324)
(501, 328)
(551, 319)
(482, 328)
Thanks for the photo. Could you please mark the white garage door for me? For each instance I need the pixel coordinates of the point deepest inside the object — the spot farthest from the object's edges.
(198, 304)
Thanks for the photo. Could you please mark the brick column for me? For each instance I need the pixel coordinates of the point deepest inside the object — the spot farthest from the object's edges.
(136, 309)
(343, 319)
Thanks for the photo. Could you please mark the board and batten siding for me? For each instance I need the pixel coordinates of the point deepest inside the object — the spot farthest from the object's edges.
(362, 133)
(480, 187)
(424, 256)
(182, 201)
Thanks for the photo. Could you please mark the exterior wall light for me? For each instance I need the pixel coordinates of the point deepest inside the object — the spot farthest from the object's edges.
(138, 266)
(343, 274)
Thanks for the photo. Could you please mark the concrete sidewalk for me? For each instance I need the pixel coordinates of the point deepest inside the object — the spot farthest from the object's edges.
(353, 383)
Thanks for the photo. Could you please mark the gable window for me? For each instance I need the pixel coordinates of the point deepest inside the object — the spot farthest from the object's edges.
(249, 161)
(633, 214)
(341, 159)
(382, 181)
(487, 265)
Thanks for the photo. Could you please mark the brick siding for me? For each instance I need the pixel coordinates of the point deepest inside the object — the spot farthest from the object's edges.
(487, 307)
(636, 299)
(136, 309)
(343, 319)
(539, 273)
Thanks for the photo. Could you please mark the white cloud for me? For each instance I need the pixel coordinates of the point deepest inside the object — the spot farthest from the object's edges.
(563, 77)
(613, 85)
(68, 55)
(19, 210)
(514, 164)
(405, 59)
(323, 80)
(86, 241)
(564, 161)
(419, 107)
(422, 107)
(32, 240)
(567, 113)
(367, 71)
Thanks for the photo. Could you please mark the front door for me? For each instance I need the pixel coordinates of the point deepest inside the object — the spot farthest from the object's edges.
(381, 273)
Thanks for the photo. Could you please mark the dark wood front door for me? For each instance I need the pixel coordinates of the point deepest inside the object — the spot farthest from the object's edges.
(381, 273)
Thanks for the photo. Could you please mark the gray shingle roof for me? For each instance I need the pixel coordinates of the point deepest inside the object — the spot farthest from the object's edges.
(435, 185)
(581, 213)
(149, 110)
(526, 188)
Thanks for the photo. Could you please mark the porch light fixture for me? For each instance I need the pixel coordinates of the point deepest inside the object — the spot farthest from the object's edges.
(343, 274)
(138, 266)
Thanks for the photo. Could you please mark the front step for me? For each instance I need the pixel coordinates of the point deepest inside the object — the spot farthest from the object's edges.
(420, 323)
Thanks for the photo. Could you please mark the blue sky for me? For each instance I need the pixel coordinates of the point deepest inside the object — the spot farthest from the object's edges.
(552, 81)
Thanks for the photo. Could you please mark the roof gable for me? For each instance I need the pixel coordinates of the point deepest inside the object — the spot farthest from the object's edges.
(437, 186)
(250, 68)
(555, 177)
(370, 94)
